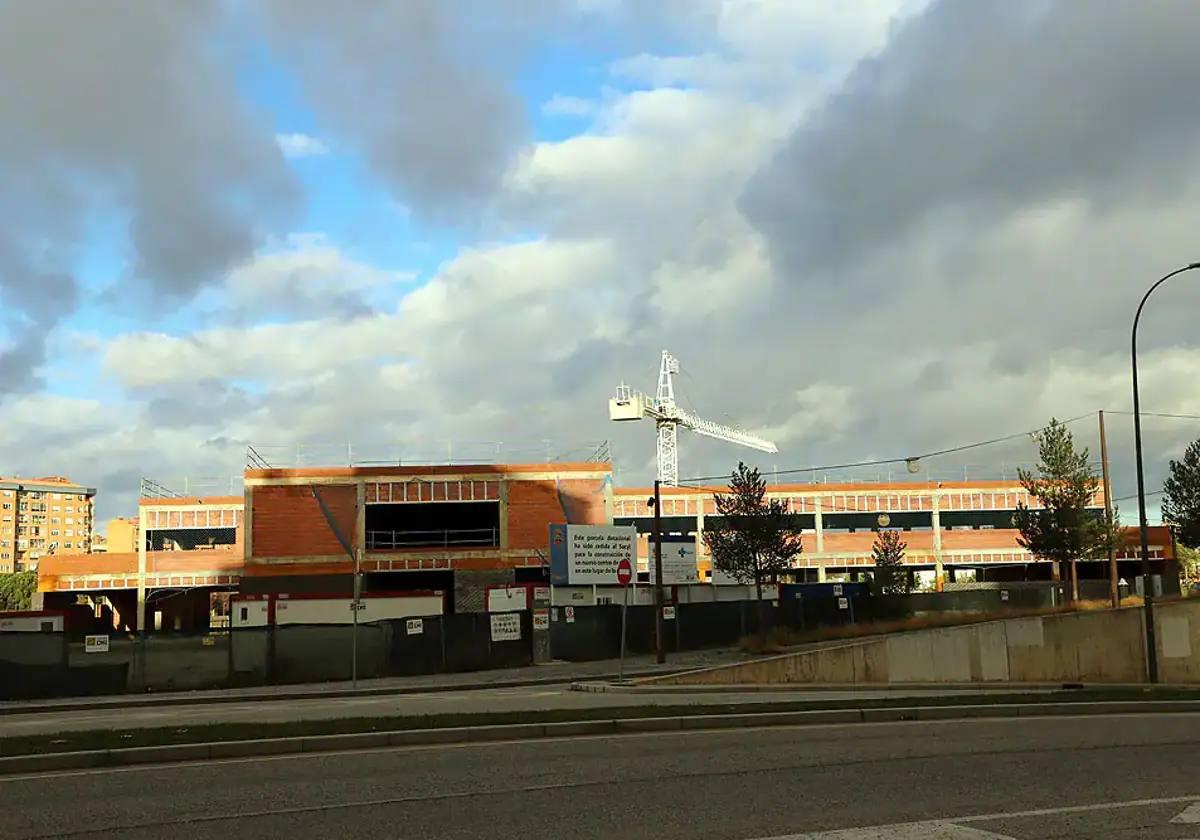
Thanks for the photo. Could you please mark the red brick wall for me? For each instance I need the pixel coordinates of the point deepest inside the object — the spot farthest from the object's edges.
(533, 505)
(287, 521)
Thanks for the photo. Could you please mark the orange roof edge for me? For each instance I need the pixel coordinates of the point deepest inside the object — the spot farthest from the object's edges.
(436, 469)
(866, 487)
(191, 500)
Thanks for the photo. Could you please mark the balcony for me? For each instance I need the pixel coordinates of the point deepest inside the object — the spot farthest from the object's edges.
(445, 538)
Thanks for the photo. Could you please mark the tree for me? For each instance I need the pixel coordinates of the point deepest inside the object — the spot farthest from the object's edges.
(1189, 564)
(1181, 497)
(753, 540)
(16, 590)
(888, 551)
(1063, 529)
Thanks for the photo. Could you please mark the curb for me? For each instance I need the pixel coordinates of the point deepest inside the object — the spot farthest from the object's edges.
(601, 686)
(130, 756)
(123, 701)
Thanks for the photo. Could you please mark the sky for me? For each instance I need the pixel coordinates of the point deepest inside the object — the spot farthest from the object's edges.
(449, 228)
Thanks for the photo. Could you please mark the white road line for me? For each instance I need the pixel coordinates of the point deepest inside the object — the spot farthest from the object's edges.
(1190, 814)
(945, 829)
(904, 831)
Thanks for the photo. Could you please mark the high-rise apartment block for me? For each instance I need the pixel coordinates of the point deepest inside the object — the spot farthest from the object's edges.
(40, 516)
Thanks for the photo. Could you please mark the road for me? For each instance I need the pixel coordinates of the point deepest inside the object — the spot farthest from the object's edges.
(482, 700)
(724, 784)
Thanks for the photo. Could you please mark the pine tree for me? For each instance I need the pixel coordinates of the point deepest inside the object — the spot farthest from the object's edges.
(1063, 529)
(1181, 497)
(753, 540)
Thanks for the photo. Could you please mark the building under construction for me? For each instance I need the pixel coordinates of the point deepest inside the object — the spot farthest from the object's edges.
(461, 530)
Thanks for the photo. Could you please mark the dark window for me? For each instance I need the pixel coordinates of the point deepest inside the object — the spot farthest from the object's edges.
(412, 525)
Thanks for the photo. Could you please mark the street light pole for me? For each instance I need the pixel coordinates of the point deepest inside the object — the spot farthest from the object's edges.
(1147, 595)
(659, 648)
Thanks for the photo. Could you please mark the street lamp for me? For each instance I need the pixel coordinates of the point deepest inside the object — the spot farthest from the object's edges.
(1147, 597)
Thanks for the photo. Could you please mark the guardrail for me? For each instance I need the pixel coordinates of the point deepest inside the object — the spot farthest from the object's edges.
(385, 540)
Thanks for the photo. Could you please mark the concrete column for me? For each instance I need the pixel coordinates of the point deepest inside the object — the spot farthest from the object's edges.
(141, 572)
(819, 525)
(937, 541)
(360, 535)
(247, 522)
(504, 513)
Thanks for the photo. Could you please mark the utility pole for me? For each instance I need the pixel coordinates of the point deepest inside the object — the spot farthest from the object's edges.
(1114, 589)
(659, 651)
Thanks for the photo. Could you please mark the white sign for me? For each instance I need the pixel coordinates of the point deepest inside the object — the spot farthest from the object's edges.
(414, 626)
(593, 551)
(570, 611)
(541, 619)
(678, 562)
(837, 589)
(668, 612)
(95, 644)
(541, 593)
(1003, 594)
(506, 627)
(843, 603)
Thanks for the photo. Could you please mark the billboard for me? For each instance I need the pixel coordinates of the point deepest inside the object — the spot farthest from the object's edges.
(587, 554)
(678, 562)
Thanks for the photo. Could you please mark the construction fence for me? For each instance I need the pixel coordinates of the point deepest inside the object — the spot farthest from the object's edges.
(52, 664)
(58, 665)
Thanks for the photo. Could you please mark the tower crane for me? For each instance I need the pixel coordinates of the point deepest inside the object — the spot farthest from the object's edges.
(629, 404)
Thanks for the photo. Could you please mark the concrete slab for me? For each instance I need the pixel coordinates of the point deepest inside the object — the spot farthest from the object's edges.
(506, 732)
(663, 724)
(153, 755)
(265, 746)
(352, 741)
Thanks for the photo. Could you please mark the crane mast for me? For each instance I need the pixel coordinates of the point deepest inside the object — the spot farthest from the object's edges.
(629, 404)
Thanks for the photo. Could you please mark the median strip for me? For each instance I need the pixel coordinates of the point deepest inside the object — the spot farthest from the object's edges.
(615, 721)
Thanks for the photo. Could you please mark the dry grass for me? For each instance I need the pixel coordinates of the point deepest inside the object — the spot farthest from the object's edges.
(781, 639)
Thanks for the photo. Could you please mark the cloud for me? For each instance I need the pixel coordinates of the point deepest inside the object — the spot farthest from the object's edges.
(420, 87)
(310, 278)
(837, 263)
(981, 108)
(296, 145)
(127, 114)
(568, 106)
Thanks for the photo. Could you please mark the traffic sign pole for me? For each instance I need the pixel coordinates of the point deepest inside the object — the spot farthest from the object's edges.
(624, 576)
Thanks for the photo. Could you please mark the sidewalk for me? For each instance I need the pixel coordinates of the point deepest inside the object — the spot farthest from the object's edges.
(550, 673)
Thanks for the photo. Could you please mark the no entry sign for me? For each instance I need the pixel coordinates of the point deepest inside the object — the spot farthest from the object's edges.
(624, 572)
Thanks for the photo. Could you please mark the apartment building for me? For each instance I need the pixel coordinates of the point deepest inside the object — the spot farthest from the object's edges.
(40, 516)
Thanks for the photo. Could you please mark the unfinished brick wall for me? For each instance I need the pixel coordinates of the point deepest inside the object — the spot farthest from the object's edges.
(287, 521)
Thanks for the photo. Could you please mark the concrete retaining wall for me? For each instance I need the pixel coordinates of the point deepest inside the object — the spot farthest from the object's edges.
(1105, 646)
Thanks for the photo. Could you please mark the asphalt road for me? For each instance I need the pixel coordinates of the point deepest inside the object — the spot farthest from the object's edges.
(480, 700)
(725, 784)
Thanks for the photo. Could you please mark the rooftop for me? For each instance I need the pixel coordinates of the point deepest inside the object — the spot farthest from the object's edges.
(54, 483)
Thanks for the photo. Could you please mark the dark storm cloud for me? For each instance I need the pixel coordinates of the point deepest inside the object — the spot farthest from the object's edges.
(423, 87)
(115, 113)
(987, 106)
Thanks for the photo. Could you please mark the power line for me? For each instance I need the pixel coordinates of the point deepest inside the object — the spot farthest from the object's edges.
(1157, 414)
(884, 461)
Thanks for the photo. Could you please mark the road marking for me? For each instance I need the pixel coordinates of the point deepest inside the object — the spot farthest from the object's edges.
(1190, 814)
(906, 831)
(928, 829)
